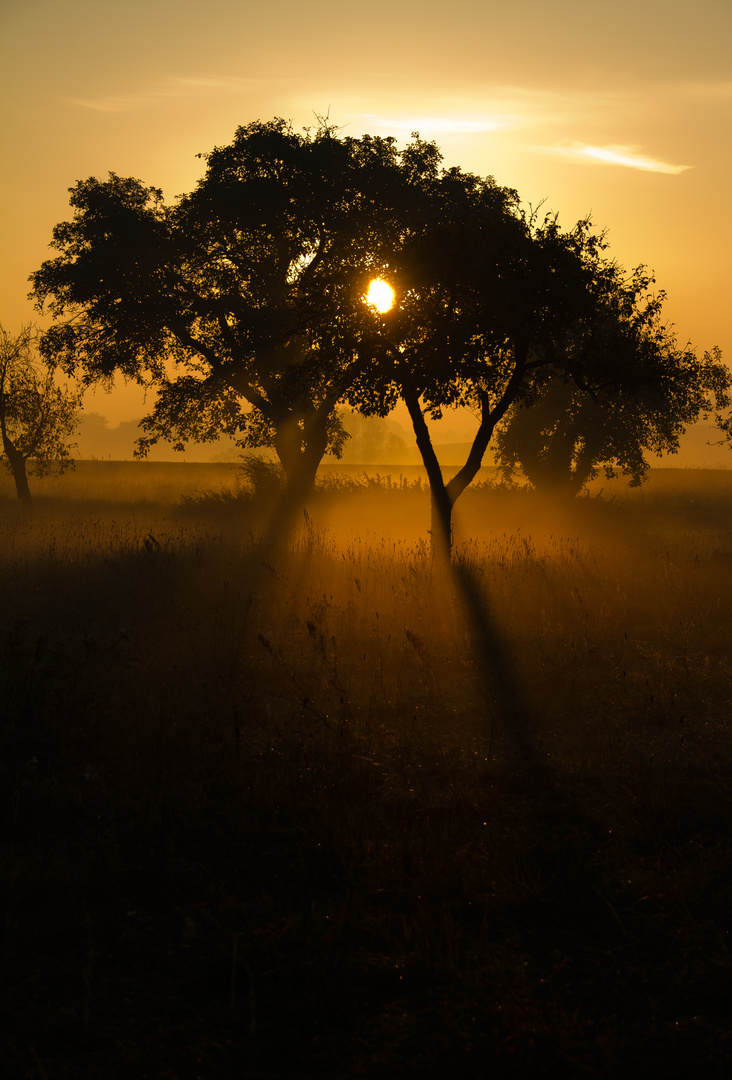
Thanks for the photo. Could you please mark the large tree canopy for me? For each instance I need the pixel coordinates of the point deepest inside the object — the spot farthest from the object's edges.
(242, 303)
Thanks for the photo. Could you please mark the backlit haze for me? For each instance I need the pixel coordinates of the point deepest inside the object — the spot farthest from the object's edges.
(622, 112)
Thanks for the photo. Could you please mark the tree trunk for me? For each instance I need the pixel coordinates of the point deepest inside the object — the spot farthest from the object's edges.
(17, 466)
(444, 496)
(441, 523)
(300, 450)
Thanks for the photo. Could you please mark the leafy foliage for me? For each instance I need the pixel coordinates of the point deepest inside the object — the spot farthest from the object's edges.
(617, 385)
(242, 304)
(518, 318)
(37, 417)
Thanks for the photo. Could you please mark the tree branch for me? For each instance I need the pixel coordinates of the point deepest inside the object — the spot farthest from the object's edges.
(410, 396)
(489, 418)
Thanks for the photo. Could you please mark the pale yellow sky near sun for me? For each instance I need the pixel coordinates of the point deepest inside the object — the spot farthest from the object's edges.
(624, 112)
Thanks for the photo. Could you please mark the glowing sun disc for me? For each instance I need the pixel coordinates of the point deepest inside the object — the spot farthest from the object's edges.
(380, 295)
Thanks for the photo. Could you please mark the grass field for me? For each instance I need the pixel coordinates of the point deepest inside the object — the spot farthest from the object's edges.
(335, 811)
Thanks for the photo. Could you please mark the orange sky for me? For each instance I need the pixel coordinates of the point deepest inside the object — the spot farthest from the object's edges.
(624, 111)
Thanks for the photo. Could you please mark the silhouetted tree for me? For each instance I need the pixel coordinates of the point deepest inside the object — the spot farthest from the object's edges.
(372, 441)
(496, 308)
(723, 411)
(456, 335)
(241, 304)
(37, 417)
(558, 438)
(563, 435)
(482, 295)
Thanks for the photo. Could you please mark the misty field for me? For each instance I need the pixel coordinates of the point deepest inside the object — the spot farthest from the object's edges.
(328, 809)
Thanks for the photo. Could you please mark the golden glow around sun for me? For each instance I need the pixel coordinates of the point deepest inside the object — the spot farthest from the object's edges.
(380, 295)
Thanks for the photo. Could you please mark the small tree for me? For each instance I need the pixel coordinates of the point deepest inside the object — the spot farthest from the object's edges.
(723, 410)
(558, 438)
(37, 417)
(628, 391)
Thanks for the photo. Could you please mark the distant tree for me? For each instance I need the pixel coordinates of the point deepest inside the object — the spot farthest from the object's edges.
(37, 417)
(723, 410)
(563, 434)
(373, 441)
(242, 304)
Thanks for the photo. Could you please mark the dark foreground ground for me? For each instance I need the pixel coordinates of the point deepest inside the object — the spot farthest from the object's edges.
(279, 818)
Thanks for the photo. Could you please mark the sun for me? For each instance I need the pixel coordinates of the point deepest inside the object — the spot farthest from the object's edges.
(380, 295)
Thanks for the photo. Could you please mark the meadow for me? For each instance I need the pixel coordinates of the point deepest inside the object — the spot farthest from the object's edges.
(330, 809)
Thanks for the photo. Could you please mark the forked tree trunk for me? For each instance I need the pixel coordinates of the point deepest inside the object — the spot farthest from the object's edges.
(441, 517)
(444, 496)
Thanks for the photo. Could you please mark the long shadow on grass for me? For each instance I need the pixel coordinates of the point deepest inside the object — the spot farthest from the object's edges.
(516, 716)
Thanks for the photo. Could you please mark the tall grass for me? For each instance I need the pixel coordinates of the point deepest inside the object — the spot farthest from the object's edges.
(266, 812)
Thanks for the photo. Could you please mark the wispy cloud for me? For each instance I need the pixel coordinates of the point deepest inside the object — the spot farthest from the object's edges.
(495, 108)
(165, 90)
(117, 103)
(625, 156)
